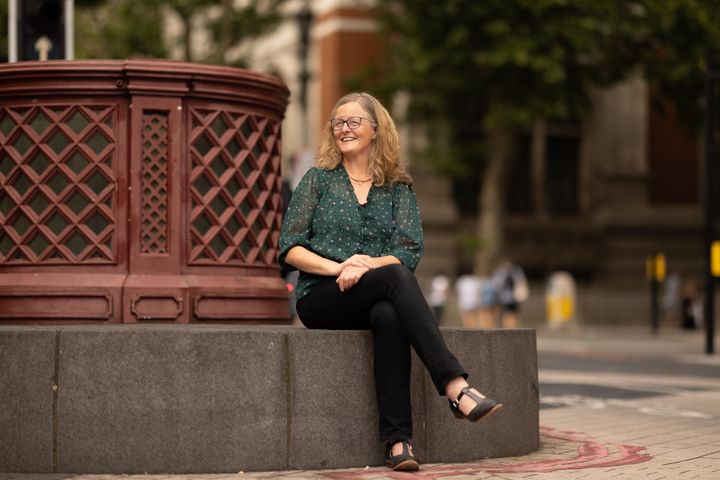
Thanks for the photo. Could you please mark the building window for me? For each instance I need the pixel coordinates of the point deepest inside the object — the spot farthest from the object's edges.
(518, 189)
(673, 156)
(543, 177)
(561, 174)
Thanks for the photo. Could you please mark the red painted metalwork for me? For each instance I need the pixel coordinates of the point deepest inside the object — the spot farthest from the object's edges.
(139, 190)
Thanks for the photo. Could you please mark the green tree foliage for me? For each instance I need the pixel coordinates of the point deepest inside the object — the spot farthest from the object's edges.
(473, 65)
(234, 24)
(119, 29)
(679, 34)
(131, 28)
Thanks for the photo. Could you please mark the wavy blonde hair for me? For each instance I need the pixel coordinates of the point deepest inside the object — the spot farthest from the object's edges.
(385, 163)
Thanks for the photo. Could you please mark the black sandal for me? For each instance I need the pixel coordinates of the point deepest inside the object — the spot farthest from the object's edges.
(483, 408)
(405, 462)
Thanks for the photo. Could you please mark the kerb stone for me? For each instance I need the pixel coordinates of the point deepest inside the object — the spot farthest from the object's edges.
(222, 399)
(501, 364)
(333, 409)
(171, 400)
(27, 369)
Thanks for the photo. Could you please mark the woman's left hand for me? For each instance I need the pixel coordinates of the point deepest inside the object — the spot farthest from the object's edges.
(350, 276)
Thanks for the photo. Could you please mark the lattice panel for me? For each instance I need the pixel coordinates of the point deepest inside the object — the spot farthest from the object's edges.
(154, 183)
(57, 184)
(234, 188)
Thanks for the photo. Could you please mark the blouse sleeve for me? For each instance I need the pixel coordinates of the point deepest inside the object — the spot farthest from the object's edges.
(406, 243)
(296, 226)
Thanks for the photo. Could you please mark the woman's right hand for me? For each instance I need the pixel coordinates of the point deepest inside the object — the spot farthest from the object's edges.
(350, 276)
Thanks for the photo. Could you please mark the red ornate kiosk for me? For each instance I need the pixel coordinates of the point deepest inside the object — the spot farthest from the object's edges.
(139, 190)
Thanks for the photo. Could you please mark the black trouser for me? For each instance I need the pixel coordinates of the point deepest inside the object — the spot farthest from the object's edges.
(388, 301)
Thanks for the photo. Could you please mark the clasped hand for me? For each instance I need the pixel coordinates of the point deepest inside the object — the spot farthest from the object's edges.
(352, 270)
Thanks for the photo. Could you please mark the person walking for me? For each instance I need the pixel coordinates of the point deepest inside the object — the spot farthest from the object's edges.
(353, 230)
(438, 296)
(512, 290)
(467, 287)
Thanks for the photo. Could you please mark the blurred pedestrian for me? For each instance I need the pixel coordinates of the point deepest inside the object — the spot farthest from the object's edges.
(512, 290)
(671, 298)
(353, 230)
(438, 296)
(691, 305)
(467, 288)
(487, 309)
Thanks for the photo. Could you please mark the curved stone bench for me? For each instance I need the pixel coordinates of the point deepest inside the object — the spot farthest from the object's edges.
(213, 399)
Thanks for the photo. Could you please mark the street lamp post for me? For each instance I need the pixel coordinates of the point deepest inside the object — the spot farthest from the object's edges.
(712, 149)
(304, 18)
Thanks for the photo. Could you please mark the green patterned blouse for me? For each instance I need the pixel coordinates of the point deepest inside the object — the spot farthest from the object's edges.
(325, 217)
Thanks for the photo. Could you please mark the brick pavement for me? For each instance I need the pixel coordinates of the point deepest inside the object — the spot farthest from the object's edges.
(671, 430)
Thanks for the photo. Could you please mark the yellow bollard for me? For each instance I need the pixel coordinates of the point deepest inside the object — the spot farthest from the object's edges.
(715, 258)
(560, 299)
(660, 267)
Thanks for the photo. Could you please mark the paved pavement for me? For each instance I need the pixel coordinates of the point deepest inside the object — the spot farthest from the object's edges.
(615, 404)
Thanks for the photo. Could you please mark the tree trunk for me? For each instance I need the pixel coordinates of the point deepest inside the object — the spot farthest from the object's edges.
(186, 19)
(226, 37)
(492, 194)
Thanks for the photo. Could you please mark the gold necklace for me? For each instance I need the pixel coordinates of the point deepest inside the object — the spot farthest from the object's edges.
(358, 180)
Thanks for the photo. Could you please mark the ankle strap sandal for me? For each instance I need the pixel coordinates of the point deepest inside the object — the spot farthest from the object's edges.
(483, 406)
(405, 461)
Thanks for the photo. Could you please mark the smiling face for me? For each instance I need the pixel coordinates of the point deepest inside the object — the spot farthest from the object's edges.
(354, 143)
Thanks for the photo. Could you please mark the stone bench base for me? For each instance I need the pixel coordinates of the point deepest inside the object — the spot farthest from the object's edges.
(215, 399)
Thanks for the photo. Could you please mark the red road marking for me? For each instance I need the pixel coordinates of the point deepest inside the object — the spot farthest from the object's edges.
(591, 454)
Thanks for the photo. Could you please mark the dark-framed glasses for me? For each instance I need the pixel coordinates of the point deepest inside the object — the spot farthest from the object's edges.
(353, 123)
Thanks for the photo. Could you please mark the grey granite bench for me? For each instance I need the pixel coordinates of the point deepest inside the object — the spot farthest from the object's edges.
(196, 398)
